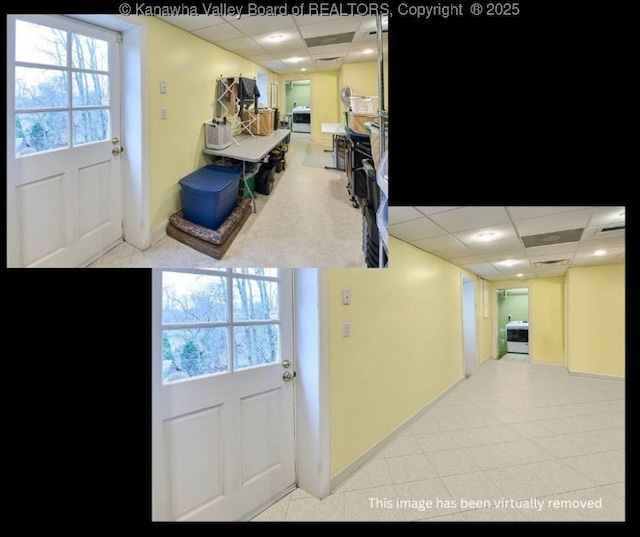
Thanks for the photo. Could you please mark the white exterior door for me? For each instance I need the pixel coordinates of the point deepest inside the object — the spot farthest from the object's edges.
(223, 415)
(64, 184)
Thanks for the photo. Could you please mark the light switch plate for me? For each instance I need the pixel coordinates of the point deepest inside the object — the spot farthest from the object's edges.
(346, 330)
(346, 297)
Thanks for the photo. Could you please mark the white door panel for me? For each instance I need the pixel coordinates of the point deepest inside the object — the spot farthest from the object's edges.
(64, 205)
(226, 439)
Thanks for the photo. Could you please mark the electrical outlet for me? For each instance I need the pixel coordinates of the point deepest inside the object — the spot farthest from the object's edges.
(346, 330)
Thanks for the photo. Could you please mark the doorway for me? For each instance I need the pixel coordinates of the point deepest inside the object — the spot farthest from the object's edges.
(512, 319)
(469, 326)
(297, 104)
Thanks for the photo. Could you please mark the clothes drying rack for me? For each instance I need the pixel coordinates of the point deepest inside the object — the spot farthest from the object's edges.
(233, 93)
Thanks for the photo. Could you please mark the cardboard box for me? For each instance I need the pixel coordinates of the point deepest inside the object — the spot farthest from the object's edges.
(357, 121)
(263, 124)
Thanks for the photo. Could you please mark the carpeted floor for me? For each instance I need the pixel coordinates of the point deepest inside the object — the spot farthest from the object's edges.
(306, 221)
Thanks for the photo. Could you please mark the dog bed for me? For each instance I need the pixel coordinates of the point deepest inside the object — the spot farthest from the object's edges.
(212, 242)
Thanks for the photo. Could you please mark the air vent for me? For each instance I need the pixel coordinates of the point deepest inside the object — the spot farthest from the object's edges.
(555, 237)
(612, 228)
(551, 263)
(335, 39)
(332, 59)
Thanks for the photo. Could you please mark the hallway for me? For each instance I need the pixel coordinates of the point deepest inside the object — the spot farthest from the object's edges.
(514, 442)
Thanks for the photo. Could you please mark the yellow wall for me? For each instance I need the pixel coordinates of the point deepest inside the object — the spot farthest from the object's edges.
(362, 77)
(190, 66)
(405, 347)
(546, 304)
(596, 320)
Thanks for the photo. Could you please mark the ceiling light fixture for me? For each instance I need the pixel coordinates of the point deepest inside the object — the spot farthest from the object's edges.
(367, 51)
(276, 37)
(485, 235)
(508, 262)
(303, 69)
(294, 59)
(519, 275)
(600, 252)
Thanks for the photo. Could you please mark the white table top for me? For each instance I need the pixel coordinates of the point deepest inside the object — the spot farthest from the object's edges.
(251, 149)
(333, 128)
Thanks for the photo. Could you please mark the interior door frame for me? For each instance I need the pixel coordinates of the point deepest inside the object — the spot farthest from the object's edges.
(494, 324)
(311, 387)
(466, 279)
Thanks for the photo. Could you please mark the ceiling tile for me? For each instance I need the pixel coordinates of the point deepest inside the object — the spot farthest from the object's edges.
(556, 222)
(551, 257)
(239, 43)
(607, 215)
(466, 260)
(220, 32)
(328, 50)
(291, 38)
(257, 25)
(275, 65)
(496, 246)
(612, 253)
(451, 253)
(549, 272)
(523, 213)
(557, 250)
(484, 269)
(346, 24)
(414, 230)
(191, 23)
(368, 24)
(594, 232)
(437, 243)
(303, 20)
(601, 244)
(515, 255)
(399, 214)
(500, 232)
(428, 211)
(261, 57)
(523, 268)
(467, 218)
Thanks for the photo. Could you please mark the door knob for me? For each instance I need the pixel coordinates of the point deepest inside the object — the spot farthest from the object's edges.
(288, 376)
(117, 150)
(286, 364)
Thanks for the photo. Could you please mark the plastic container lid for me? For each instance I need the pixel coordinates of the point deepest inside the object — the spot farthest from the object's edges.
(209, 180)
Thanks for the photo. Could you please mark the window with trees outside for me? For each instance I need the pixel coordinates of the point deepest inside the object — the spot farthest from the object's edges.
(62, 95)
(219, 321)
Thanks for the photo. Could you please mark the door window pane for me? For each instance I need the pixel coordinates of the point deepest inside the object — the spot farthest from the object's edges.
(258, 271)
(90, 89)
(40, 88)
(254, 300)
(41, 132)
(40, 44)
(89, 53)
(90, 126)
(193, 298)
(194, 352)
(255, 345)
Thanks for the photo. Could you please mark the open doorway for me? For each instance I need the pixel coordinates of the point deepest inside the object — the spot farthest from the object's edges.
(469, 326)
(297, 104)
(512, 319)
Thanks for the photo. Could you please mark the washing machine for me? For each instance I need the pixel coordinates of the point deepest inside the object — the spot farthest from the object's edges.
(301, 119)
(518, 337)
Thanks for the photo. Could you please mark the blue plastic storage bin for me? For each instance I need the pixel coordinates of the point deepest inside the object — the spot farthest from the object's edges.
(209, 195)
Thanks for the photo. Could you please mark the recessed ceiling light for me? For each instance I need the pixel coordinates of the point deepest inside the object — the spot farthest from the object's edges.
(294, 59)
(276, 37)
(486, 235)
(303, 69)
(519, 275)
(367, 51)
(600, 252)
(508, 262)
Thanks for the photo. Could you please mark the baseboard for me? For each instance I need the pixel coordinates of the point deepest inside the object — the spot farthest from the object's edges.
(255, 512)
(159, 232)
(349, 470)
(595, 376)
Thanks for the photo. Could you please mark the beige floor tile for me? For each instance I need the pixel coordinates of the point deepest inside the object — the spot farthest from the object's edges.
(575, 507)
(615, 457)
(472, 490)
(410, 468)
(313, 509)
(403, 445)
(451, 462)
(485, 435)
(374, 473)
(372, 505)
(436, 442)
(276, 513)
(425, 426)
(532, 429)
(494, 514)
(425, 499)
(617, 489)
(596, 469)
(507, 454)
(559, 446)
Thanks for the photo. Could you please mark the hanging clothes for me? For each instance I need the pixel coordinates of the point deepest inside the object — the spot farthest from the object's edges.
(249, 93)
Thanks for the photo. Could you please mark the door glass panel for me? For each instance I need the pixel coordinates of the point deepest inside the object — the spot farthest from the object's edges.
(254, 300)
(89, 53)
(90, 89)
(255, 345)
(40, 88)
(40, 44)
(193, 298)
(41, 132)
(90, 126)
(194, 352)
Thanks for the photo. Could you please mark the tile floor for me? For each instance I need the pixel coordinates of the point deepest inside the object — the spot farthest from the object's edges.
(306, 221)
(514, 442)
(515, 357)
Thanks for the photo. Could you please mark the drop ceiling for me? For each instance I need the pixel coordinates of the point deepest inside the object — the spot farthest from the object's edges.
(490, 241)
(288, 44)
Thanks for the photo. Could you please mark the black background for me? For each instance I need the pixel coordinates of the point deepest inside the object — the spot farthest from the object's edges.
(495, 111)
